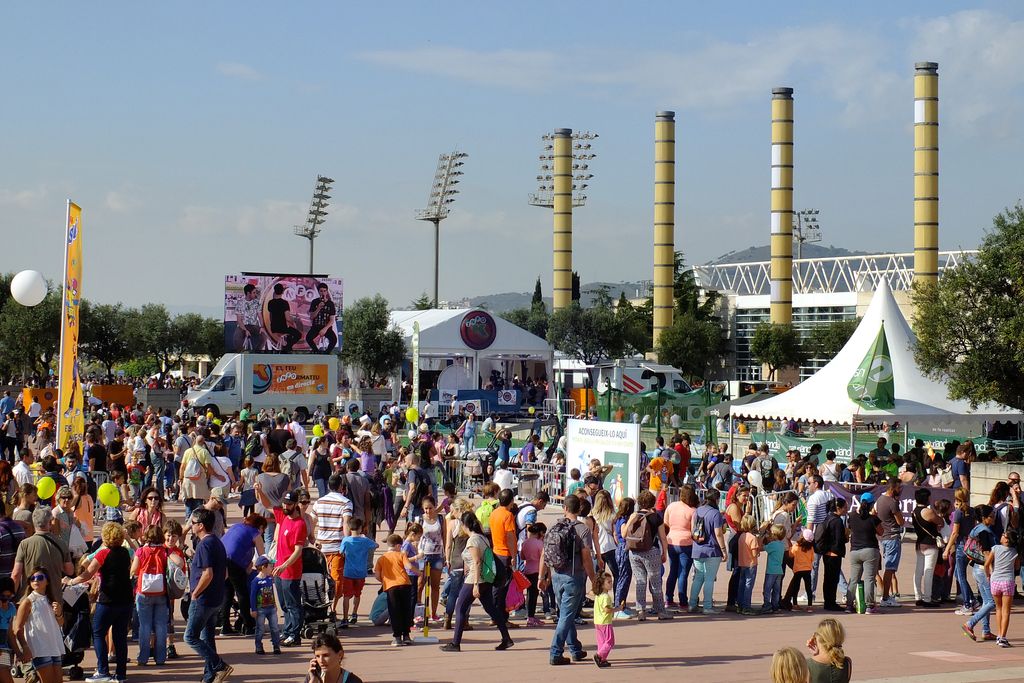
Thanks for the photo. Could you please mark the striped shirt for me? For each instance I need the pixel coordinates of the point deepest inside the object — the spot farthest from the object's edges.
(817, 505)
(331, 511)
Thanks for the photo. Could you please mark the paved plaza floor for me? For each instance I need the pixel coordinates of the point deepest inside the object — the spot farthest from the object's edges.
(903, 645)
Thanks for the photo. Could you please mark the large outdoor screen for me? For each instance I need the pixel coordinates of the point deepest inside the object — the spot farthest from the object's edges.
(282, 314)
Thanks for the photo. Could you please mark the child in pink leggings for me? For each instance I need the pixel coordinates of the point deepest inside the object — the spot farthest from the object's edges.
(603, 611)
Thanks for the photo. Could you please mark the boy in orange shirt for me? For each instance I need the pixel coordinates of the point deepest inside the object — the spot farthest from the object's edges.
(392, 570)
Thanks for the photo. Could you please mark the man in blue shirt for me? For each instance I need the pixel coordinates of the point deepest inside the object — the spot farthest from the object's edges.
(961, 467)
(207, 576)
(6, 404)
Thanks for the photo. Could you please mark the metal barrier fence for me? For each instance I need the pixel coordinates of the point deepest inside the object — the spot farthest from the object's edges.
(470, 474)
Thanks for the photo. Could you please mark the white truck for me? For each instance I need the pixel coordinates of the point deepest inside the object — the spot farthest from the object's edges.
(298, 382)
(638, 376)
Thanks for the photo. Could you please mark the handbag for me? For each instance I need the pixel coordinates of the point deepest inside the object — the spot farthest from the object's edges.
(520, 580)
(514, 598)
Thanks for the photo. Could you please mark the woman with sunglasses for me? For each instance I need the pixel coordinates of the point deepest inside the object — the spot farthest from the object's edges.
(149, 512)
(37, 634)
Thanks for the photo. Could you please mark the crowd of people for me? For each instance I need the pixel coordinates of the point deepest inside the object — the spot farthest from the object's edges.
(327, 493)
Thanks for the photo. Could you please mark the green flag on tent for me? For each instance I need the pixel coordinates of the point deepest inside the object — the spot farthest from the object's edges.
(872, 384)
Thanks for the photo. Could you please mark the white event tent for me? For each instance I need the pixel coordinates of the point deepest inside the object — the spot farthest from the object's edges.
(442, 338)
(919, 400)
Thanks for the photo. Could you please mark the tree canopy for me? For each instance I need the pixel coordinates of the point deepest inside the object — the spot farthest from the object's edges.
(970, 326)
(372, 344)
(777, 346)
(586, 334)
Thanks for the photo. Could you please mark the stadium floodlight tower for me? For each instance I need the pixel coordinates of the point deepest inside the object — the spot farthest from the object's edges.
(564, 172)
(807, 229)
(442, 196)
(317, 214)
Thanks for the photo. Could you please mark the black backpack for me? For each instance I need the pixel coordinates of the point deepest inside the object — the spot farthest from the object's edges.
(422, 487)
(560, 545)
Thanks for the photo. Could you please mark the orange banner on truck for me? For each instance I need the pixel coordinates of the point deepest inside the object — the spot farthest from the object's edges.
(289, 378)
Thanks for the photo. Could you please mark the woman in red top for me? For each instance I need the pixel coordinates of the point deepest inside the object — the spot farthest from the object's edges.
(150, 561)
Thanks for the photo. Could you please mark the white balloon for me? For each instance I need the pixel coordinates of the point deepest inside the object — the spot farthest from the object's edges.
(28, 288)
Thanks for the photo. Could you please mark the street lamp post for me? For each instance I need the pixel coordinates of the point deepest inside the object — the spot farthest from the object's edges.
(317, 214)
(807, 229)
(442, 196)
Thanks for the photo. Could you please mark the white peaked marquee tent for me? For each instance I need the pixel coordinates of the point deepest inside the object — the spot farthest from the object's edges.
(919, 400)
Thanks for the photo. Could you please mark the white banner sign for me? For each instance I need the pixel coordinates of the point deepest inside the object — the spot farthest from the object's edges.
(612, 443)
(508, 397)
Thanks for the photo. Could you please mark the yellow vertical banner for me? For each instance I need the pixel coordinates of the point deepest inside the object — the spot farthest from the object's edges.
(70, 416)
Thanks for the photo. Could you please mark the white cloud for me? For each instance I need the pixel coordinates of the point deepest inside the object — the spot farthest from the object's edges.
(238, 70)
(979, 55)
(846, 63)
(29, 198)
(121, 201)
(265, 217)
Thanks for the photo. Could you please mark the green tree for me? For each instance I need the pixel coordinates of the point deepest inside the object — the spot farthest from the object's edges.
(103, 337)
(688, 295)
(30, 337)
(825, 341)
(423, 303)
(970, 326)
(139, 367)
(777, 346)
(537, 302)
(371, 343)
(633, 326)
(532, 320)
(586, 334)
(692, 345)
(575, 286)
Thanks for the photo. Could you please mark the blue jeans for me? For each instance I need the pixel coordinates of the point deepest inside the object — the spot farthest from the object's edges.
(960, 572)
(201, 634)
(470, 440)
(679, 572)
(321, 487)
(748, 575)
(268, 614)
(152, 620)
(772, 592)
(988, 603)
(569, 592)
(704, 572)
(289, 593)
(171, 475)
(157, 470)
(268, 534)
(116, 619)
(452, 587)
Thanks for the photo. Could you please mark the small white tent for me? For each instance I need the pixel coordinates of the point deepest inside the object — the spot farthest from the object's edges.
(919, 400)
(472, 334)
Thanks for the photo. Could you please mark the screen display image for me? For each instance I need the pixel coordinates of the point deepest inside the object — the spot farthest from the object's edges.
(282, 314)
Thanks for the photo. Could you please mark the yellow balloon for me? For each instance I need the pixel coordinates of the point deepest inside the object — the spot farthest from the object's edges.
(109, 495)
(333, 423)
(412, 415)
(46, 488)
(318, 430)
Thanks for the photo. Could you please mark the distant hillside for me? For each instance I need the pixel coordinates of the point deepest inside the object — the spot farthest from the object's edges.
(754, 254)
(507, 301)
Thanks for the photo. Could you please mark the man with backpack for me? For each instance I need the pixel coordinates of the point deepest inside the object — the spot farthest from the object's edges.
(196, 469)
(566, 565)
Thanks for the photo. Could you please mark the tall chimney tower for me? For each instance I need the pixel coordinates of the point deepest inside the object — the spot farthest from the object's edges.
(782, 206)
(561, 290)
(664, 219)
(926, 173)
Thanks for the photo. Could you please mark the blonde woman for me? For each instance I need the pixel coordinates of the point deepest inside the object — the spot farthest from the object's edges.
(789, 666)
(828, 662)
(603, 514)
(454, 547)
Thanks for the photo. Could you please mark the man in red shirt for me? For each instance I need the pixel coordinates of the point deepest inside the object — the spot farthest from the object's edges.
(291, 538)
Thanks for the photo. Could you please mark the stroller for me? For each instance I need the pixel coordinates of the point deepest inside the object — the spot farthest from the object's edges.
(317, 593)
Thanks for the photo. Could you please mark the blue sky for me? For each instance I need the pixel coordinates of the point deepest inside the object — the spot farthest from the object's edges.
(192, 133)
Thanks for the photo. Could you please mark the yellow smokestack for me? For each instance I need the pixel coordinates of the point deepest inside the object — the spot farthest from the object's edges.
(782, 206)
(562, 208)
(664, 218)
(926, 172)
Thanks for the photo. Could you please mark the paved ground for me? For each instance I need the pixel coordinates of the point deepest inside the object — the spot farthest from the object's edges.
(905, 645)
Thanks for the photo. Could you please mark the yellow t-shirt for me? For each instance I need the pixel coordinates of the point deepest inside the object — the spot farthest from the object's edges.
(602, 613)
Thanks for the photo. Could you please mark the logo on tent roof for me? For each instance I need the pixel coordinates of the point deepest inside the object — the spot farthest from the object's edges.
(872, 384)
(478, 330)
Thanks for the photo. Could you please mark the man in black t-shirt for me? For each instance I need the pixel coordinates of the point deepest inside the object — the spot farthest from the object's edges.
(277, 439)
(95, 453)
(281, 318)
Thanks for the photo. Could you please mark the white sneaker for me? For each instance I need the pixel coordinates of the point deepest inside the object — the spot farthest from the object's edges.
(890, 602)
(99, 678)
(963, 611)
